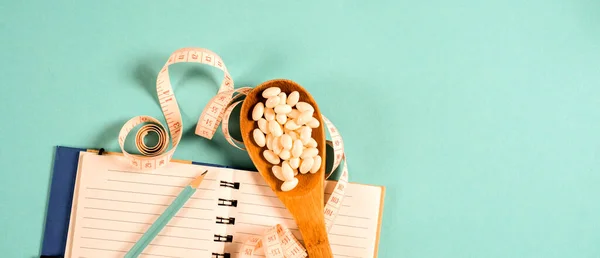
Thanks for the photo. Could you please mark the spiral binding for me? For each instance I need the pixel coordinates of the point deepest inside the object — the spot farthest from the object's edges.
(226, 202)
(223, 238)
(235, 185)
(221, 220)
(225, 220)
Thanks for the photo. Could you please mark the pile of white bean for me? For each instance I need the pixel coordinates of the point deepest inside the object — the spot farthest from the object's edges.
(285, 127)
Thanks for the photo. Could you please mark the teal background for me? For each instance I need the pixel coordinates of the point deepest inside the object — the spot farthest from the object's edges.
(480, 117)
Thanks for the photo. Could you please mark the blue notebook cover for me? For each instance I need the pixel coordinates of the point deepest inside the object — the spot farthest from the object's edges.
(58, 214)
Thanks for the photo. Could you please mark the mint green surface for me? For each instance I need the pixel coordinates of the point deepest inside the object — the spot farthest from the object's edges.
(160, 222)
(480, 117)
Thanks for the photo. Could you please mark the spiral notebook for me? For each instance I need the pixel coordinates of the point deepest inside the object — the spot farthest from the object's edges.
(113, 205)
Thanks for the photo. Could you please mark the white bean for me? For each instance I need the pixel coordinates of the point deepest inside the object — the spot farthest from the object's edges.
(289, 185)
(313, 123)
(269, 141)
(294, 135)
(277, 145)
(259, 137)
(305, 134)
(316, 164)
(294, 113)
(283, 109)
(286, 142)
(311, 143)
(269, 114)
(262, 125)
(270, 92)
(285, 154)
(258, 111)
(304, 117)
(295, 163)
(291, 125)
(287, 171)
(281, 118)
(282, 98)
(277, 172)
(306, 165)
(293, 98)
(309, 153)
(272, 102)
(303, 106)
(275, 128)
(297, 149)
(271, 157)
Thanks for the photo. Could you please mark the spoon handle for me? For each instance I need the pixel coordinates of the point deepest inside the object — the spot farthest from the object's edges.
(308, 214)
(315, 239)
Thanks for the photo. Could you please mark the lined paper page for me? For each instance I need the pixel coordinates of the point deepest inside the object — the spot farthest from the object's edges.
(353, 235)
(113, 206)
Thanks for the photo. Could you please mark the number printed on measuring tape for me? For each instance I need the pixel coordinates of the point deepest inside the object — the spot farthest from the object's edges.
(277, 241)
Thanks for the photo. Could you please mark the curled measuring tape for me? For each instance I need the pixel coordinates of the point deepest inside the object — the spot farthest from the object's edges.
(277, 241)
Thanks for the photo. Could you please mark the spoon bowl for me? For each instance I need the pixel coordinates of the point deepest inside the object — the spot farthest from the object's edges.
(305, 202)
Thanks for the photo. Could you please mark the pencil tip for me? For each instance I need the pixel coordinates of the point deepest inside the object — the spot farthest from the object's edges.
(198, 180)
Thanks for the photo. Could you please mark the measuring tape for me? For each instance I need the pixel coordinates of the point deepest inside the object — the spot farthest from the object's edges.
(277, 241)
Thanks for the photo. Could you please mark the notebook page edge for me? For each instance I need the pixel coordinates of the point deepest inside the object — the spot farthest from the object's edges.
(73, 215)
(379, 220)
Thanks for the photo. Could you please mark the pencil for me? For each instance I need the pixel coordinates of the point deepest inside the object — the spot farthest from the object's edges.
(164, 218)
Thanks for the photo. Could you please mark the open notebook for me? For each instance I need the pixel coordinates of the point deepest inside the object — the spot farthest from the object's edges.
(114, 205)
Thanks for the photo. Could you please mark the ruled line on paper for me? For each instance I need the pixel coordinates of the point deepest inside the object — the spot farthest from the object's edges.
(124, 191)
(157, 204)
(201, 229)
(343, 255)
(260, 225)
(137, 222)
(104, 209)
(197, 208)
(116, 220)
(133, 242)
(263, 205)
(352, 246)
(353, 216)
(103, 249)
(146, 213)
(246, 233)
(252, 224)
(191, 238)
(263, 195)
(155, 184)
(110, 240)
(114, 230)
(176, 216)
(350, 226)
(203, 198)
(344, 235)
(263, 185)
(263, 215)
(162, 235)
(153, 174)
(114, 200)
(120, 251)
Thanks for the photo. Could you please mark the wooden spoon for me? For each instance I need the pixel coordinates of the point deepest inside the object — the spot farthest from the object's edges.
(305, 202)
